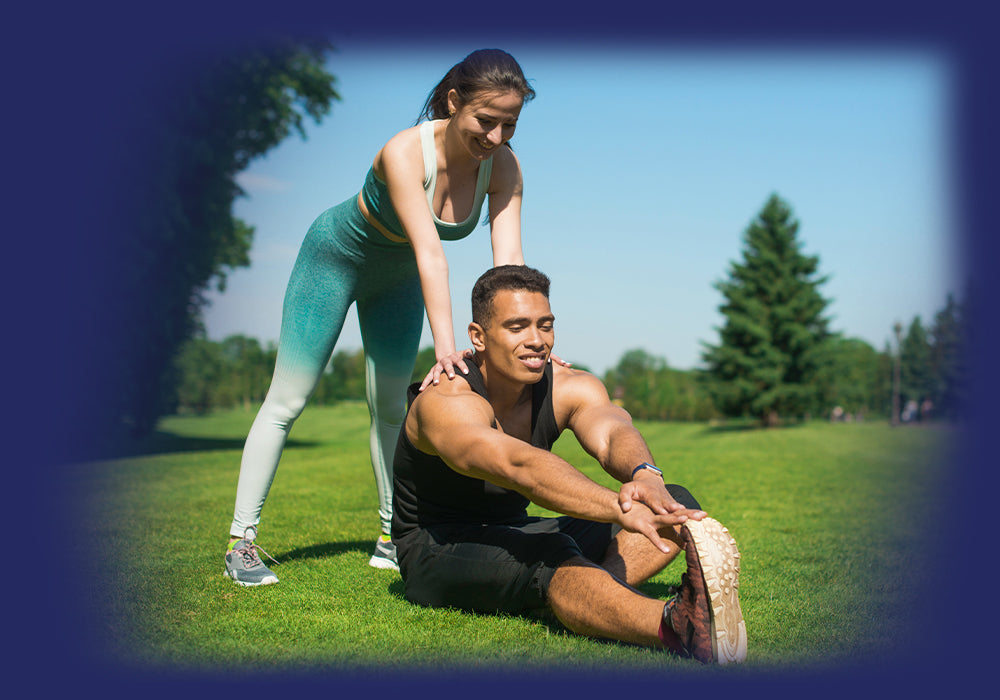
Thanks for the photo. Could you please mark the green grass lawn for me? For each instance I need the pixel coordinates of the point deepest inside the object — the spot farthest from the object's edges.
(827, 517)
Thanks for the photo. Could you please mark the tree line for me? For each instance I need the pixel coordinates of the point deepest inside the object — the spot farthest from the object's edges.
(855, 378)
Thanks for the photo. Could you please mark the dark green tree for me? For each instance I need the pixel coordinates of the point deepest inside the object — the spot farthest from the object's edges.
(345, 378)
(883, 388)
(915, 369)
(206, 122)
(201, 366)
(248, 374)
(771, 347)
(852, 377)
(633, 382)
(651, 390)
(234, 373)
(948, 362)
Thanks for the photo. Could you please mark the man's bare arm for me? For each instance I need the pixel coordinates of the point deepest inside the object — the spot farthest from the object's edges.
(606, 432)
(603, 429)
(457, 425)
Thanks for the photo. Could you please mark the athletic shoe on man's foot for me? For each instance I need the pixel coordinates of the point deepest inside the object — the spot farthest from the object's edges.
(243, 564)
(385, 554)
(705, 615)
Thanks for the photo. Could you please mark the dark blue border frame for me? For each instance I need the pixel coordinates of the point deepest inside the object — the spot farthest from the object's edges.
(74, 74)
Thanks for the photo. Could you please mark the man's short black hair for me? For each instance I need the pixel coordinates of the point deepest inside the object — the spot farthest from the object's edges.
(510, 277)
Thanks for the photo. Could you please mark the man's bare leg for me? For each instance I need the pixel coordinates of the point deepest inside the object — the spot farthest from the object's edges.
(599, 601)
(632, 558)
(590, 601)
(705, 620)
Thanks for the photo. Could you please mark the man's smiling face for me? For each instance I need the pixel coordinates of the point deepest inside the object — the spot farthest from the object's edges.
(520, 335)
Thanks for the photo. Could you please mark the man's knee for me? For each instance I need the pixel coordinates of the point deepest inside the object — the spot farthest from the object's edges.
(567, 576)
(576, 580)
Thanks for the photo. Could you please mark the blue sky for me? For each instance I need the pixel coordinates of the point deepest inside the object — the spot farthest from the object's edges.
(643, 166)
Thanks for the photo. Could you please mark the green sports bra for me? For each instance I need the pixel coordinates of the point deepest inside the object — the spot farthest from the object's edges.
(376, 194)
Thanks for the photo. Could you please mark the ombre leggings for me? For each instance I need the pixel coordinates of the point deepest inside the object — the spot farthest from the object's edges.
(343, 260)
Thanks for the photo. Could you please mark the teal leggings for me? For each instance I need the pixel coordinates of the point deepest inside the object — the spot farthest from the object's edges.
(343, 260)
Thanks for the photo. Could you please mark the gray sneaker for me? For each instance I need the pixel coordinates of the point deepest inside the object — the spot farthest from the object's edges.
(384, 556)
(243, 564)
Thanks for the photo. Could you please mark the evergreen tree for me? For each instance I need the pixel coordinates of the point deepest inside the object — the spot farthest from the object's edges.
(772, 343)
(883, 387)
(915, 370)
(949, 369)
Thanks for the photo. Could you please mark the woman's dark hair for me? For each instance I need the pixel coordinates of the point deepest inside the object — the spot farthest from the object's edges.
(485, 70)
(516, 278)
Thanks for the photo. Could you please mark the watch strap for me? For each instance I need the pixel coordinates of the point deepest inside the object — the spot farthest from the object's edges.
(646, 465)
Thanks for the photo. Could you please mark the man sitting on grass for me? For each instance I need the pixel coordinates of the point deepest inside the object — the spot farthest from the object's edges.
(474, 451)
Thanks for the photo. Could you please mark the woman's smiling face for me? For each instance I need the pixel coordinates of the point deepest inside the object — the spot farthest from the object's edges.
(487, 121)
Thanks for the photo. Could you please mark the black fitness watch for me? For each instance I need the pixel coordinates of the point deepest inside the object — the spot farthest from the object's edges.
(650, 467)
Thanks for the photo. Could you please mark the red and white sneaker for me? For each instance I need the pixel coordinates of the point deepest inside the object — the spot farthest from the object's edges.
(705, 615)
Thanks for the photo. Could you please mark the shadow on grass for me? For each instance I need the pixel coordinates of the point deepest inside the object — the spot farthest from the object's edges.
(543, 616)
(322, 551)
(746, 426)
(162, 442)
(663, 591)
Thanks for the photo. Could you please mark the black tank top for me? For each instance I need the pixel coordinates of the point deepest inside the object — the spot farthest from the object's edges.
(428, 492)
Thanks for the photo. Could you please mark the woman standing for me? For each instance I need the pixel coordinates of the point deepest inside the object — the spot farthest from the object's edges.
(383, 251)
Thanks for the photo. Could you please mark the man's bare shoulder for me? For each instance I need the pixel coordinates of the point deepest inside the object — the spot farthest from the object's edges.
(575, 391)
(444, 410)
(448, 396)
(570, 379)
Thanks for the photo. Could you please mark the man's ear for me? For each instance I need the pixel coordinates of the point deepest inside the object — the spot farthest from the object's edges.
(478, 337)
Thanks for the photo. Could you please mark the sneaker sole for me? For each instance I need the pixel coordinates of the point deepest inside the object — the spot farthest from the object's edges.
(382, 563)
(266, 581)
(720, 564)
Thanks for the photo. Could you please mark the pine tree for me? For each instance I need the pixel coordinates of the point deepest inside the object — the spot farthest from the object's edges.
(916, 372)
(950, 371)
(772, 344)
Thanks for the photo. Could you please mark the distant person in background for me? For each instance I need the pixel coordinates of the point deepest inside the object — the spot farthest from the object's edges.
(926, 410)
(382, 249)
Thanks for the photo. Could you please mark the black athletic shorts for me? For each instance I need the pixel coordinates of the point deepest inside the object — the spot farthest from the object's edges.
(505, 567)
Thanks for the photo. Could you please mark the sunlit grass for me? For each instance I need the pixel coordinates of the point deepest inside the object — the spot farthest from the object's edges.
(826, 516)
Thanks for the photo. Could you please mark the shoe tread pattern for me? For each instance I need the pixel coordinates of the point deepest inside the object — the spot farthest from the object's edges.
(720, 563)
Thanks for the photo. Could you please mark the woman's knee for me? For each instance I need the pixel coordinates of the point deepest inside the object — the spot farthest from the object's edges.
(282, 408)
